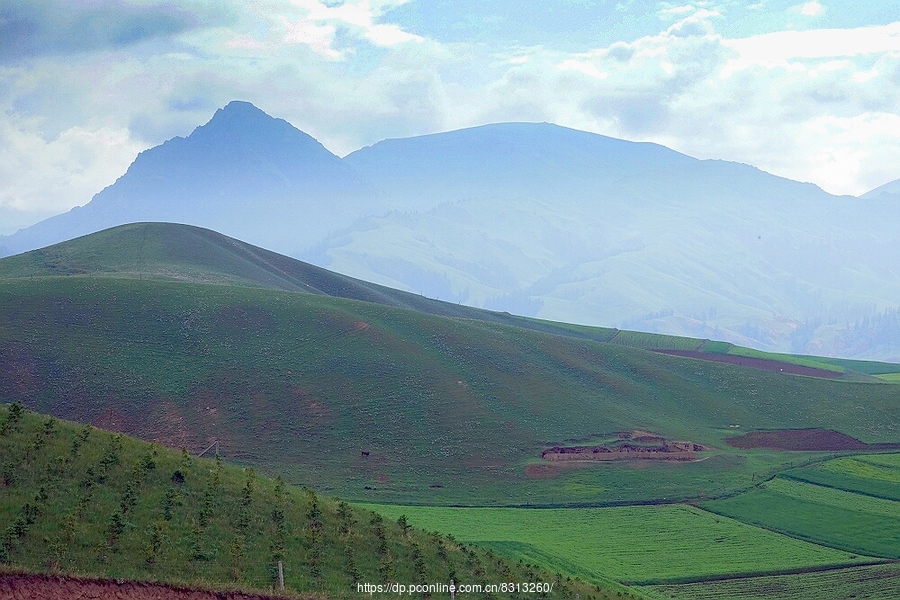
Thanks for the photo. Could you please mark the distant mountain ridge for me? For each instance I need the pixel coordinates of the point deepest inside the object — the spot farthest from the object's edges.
(891, 188)
(537, 220)
(243, 173)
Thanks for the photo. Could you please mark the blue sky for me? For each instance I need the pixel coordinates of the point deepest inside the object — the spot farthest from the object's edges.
(808, 90)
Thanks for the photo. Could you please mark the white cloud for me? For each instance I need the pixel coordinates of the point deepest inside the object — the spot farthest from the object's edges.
(817, 105)
(361, 16)
(818, 43)
(812, 9)
(318, 37)
(40, 175)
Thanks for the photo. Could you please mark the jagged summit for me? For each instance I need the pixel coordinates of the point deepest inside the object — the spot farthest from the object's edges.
(243, 173)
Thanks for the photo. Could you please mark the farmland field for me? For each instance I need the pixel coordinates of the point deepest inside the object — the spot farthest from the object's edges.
(655, 341)
(804, 361)
(876, 581)
(634, 545)
(829, 516)
(860, 474)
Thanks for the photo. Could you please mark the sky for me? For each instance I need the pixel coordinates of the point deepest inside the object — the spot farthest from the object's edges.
(808, 90)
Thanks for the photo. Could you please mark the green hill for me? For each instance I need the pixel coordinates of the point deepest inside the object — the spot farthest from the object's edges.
(186, 338)
(388, 404)
(174, 252)
(75, 499)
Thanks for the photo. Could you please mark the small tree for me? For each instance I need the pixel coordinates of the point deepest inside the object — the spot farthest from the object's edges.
(13, 417)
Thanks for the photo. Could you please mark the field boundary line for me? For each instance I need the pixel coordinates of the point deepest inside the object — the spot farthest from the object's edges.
(754, 574)
(836, 488)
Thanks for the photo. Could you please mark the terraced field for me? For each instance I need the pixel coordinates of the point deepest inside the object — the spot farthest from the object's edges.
(876, 581)
(871, 475)
(854, 518)
(638, 545)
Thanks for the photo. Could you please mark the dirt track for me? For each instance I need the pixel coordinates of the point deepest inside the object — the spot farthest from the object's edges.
(47, 587)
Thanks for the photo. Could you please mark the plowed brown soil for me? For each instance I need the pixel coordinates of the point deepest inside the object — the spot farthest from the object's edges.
(50, 587)
(762, 364)
(804, 439)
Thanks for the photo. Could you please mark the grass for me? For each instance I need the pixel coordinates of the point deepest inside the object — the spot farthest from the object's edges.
(655, 341)
(78, 500)
(638, 545)
(834, 517)
(876, 581)
(872, 475)
(450, 410)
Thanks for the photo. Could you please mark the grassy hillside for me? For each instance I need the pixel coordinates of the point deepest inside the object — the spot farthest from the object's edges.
(448, 410)
(174, 252)
(75, 499)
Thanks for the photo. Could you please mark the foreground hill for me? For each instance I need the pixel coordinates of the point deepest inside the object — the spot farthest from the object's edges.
(79, 500)
(377, 401)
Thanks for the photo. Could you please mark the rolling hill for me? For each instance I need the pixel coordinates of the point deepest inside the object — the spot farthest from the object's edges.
(382, 401)
(537, 220)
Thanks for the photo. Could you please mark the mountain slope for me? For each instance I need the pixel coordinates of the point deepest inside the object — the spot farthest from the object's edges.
(243, 173)
(174, 252)
(892, 188)
(504, 160)
(598, 231)
(388, 404)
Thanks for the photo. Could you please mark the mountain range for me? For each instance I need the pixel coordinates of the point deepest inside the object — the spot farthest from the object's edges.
(537, 220)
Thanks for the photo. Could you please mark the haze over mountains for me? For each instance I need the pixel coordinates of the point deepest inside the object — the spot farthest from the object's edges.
(537, 220)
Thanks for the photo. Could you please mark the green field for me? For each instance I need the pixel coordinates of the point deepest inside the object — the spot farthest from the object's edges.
(654, 341)
(834, 517)
(876, 581)
(639, 545)
(872, 475)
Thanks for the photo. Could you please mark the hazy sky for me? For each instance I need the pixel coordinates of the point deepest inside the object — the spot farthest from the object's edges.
(807, 90)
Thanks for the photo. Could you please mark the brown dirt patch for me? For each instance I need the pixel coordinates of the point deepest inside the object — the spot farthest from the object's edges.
(51, 587)
(536, 471)
(114, 420)
(640, 445)
(171, 429)
(763, 364)
(804, 439)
